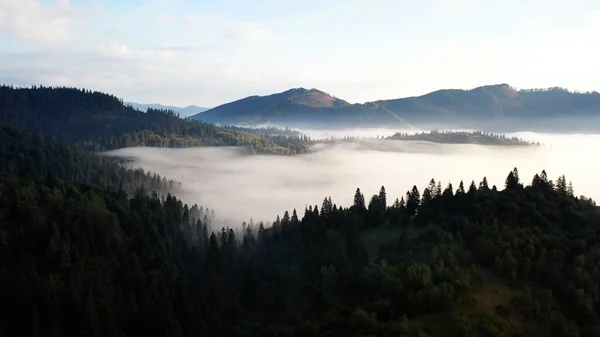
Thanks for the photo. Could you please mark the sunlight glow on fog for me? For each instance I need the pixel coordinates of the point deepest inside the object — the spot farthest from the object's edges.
(241, 187)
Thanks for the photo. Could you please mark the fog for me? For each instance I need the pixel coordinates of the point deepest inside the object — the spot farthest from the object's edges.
(240, 187)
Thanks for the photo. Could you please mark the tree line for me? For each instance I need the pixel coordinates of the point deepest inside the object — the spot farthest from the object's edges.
(100, 121)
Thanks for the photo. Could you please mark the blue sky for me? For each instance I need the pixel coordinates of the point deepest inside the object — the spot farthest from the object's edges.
(207, 53)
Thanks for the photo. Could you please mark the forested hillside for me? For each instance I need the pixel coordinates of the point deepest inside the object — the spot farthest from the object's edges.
(476, 261)
(89, 248)
(100, 121)
(31, 155)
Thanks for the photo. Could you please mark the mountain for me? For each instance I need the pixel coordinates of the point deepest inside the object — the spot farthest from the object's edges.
(298, 107)
(498, 107)
(187, 111)
(501, 107)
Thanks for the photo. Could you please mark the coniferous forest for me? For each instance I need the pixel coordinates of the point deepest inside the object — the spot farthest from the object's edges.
(90, 248)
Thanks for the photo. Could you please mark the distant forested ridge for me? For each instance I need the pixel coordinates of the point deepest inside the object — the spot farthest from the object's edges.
(440, 137)
(182, 112)
(463, 137)
(500, 108)
(100, 121)
(292, 139)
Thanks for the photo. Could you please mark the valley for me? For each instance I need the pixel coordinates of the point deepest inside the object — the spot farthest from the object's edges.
(153, 224)
(299, 168)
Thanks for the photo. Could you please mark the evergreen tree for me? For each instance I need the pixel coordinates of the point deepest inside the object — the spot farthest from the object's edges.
(561, 184)
(383, 198)
(359, 200)
(413, 200)
(449, 191)
(512, 180)
(426, 196)
(483, 185)
(472, 188)
(570, 190)
(461, 188)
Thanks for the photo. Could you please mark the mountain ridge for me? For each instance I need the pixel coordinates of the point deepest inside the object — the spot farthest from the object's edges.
(183, 112)
(488, 106)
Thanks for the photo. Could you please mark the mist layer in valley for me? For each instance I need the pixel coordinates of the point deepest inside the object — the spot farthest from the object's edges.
(239, 187)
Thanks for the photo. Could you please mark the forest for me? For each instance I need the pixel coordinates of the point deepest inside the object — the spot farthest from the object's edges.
(463, 137)
(99, 121)
(90, 248)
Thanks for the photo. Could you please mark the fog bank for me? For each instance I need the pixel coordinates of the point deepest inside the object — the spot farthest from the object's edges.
(241, 187)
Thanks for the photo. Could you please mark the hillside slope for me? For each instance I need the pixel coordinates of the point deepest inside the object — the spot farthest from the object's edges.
(101, 121)
(496, 107)
(299, 107)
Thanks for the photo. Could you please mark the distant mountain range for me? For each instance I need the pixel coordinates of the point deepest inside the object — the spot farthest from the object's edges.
(494, 107)
(187, 111)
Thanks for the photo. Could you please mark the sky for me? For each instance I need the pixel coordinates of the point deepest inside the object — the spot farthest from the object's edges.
(182, 52)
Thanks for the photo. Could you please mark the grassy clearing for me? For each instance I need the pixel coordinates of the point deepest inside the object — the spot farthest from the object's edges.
(493, 296)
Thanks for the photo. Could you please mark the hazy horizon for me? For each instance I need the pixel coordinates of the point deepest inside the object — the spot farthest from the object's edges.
(264, 186)
(206, 53)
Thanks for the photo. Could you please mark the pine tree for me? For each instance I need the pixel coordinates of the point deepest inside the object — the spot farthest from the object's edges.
(461, 188)
(432, 189)
(449, 191)
(570, 191)
(285, 221)
(383, 198)
(231, 242)
(561, 184)
(472, 188)
(426, 196)
(359, 200)
(413, 201)
(223, 237)
(512, 180)
(374, 204)
(544, 176)
(262, 233)
(326, 207)
(483, 185)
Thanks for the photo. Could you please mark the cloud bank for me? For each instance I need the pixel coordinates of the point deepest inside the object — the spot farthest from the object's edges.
(241, 187)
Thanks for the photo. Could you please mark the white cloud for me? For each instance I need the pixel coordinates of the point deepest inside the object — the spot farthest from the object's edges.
(38, 22)
(209, 56)
(242, 31)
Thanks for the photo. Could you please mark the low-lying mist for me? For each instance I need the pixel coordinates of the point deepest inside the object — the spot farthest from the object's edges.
(239, 187)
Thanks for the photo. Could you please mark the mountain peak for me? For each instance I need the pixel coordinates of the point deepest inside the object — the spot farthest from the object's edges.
(313, 98)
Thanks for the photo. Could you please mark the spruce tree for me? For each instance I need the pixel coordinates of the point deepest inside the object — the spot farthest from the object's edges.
(413, 201)
(359, 200)
(383, 198)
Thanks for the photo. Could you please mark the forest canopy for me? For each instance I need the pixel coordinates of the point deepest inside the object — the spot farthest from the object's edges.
(90, 248)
